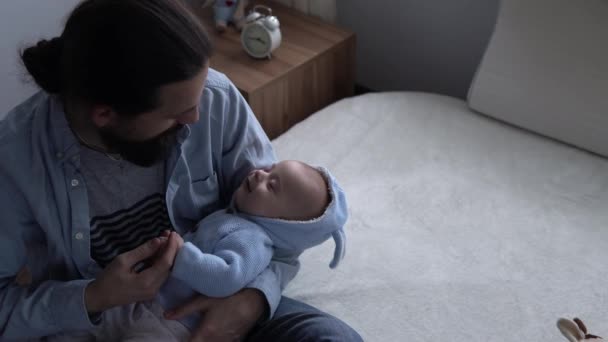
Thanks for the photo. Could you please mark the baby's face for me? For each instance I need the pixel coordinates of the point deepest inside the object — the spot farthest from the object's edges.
(289, 190)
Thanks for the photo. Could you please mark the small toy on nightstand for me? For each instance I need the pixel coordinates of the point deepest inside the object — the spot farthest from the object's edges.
(227, 12)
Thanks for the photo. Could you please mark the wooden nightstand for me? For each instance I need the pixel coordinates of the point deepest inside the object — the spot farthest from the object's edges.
(313, 67)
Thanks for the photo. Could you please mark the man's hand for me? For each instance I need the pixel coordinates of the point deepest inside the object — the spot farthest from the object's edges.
(24, 277)
(120, 284)
(223, 319)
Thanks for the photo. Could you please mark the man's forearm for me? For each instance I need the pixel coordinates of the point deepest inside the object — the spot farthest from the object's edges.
(93, 300)
(51, 308)
(257, 303)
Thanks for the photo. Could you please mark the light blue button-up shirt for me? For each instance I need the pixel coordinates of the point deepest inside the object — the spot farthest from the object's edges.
(44, 214)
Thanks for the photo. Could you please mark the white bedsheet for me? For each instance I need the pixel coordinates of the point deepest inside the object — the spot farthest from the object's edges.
(461, 229)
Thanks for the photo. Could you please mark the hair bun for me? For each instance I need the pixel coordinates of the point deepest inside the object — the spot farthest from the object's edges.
(43, 62)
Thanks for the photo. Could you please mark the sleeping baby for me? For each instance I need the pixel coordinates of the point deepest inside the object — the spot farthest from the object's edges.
(276, 212)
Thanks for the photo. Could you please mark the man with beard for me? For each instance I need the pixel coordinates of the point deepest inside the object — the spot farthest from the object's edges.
(132, 140)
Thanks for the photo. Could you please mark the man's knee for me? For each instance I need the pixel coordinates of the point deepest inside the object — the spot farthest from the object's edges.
(327, 328)
(306, 327)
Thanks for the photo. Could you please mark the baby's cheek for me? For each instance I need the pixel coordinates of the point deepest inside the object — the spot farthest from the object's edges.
(260, 205)
(276, 209)
(247, 203)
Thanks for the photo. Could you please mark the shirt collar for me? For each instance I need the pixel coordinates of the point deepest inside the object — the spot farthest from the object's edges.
(66, 144)
(183, 134)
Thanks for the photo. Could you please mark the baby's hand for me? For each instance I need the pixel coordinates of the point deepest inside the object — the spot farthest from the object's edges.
(168, 234)
(180, 240)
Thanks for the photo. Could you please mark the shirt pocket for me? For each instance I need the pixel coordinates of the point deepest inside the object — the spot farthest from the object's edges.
(189, 200)
(205, 195)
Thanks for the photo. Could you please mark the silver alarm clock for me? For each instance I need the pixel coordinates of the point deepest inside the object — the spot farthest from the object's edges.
(261, 34)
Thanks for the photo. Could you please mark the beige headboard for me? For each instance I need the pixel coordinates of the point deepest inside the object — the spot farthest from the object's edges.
(324, 9)
(546, 70)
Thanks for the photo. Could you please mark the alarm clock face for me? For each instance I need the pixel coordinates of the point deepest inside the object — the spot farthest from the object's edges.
(256, 40)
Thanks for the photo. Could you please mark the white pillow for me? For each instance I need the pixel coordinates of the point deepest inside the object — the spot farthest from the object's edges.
(546, 69)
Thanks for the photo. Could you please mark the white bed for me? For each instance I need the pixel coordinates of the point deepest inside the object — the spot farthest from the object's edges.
(462, 228)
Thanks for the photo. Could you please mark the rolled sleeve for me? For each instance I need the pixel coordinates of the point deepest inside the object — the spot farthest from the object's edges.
(68, 308)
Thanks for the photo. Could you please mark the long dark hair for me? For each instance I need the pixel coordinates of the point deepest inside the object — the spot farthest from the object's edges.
(119, 52)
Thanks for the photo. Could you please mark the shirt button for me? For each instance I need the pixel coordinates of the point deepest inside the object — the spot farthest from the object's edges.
(59, 155)
(79, 236)
(75, 182)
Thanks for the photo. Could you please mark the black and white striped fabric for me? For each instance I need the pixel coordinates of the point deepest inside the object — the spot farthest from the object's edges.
(126, 204)
(128, 228)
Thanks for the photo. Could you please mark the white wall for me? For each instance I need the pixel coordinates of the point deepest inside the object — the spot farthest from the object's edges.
(22, 23)
(324, 9)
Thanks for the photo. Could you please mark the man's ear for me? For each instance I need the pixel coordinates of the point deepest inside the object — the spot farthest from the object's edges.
(102, 115)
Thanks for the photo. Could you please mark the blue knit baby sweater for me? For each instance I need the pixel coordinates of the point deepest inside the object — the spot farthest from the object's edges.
(229, 249)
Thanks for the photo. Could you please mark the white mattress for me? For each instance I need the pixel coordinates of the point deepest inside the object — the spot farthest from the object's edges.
(461, 228)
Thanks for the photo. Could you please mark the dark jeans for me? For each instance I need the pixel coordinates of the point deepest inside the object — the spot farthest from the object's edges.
(298, 322)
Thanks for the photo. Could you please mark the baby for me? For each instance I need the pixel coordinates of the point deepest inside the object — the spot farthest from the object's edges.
(282, 211)
(275, 213)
